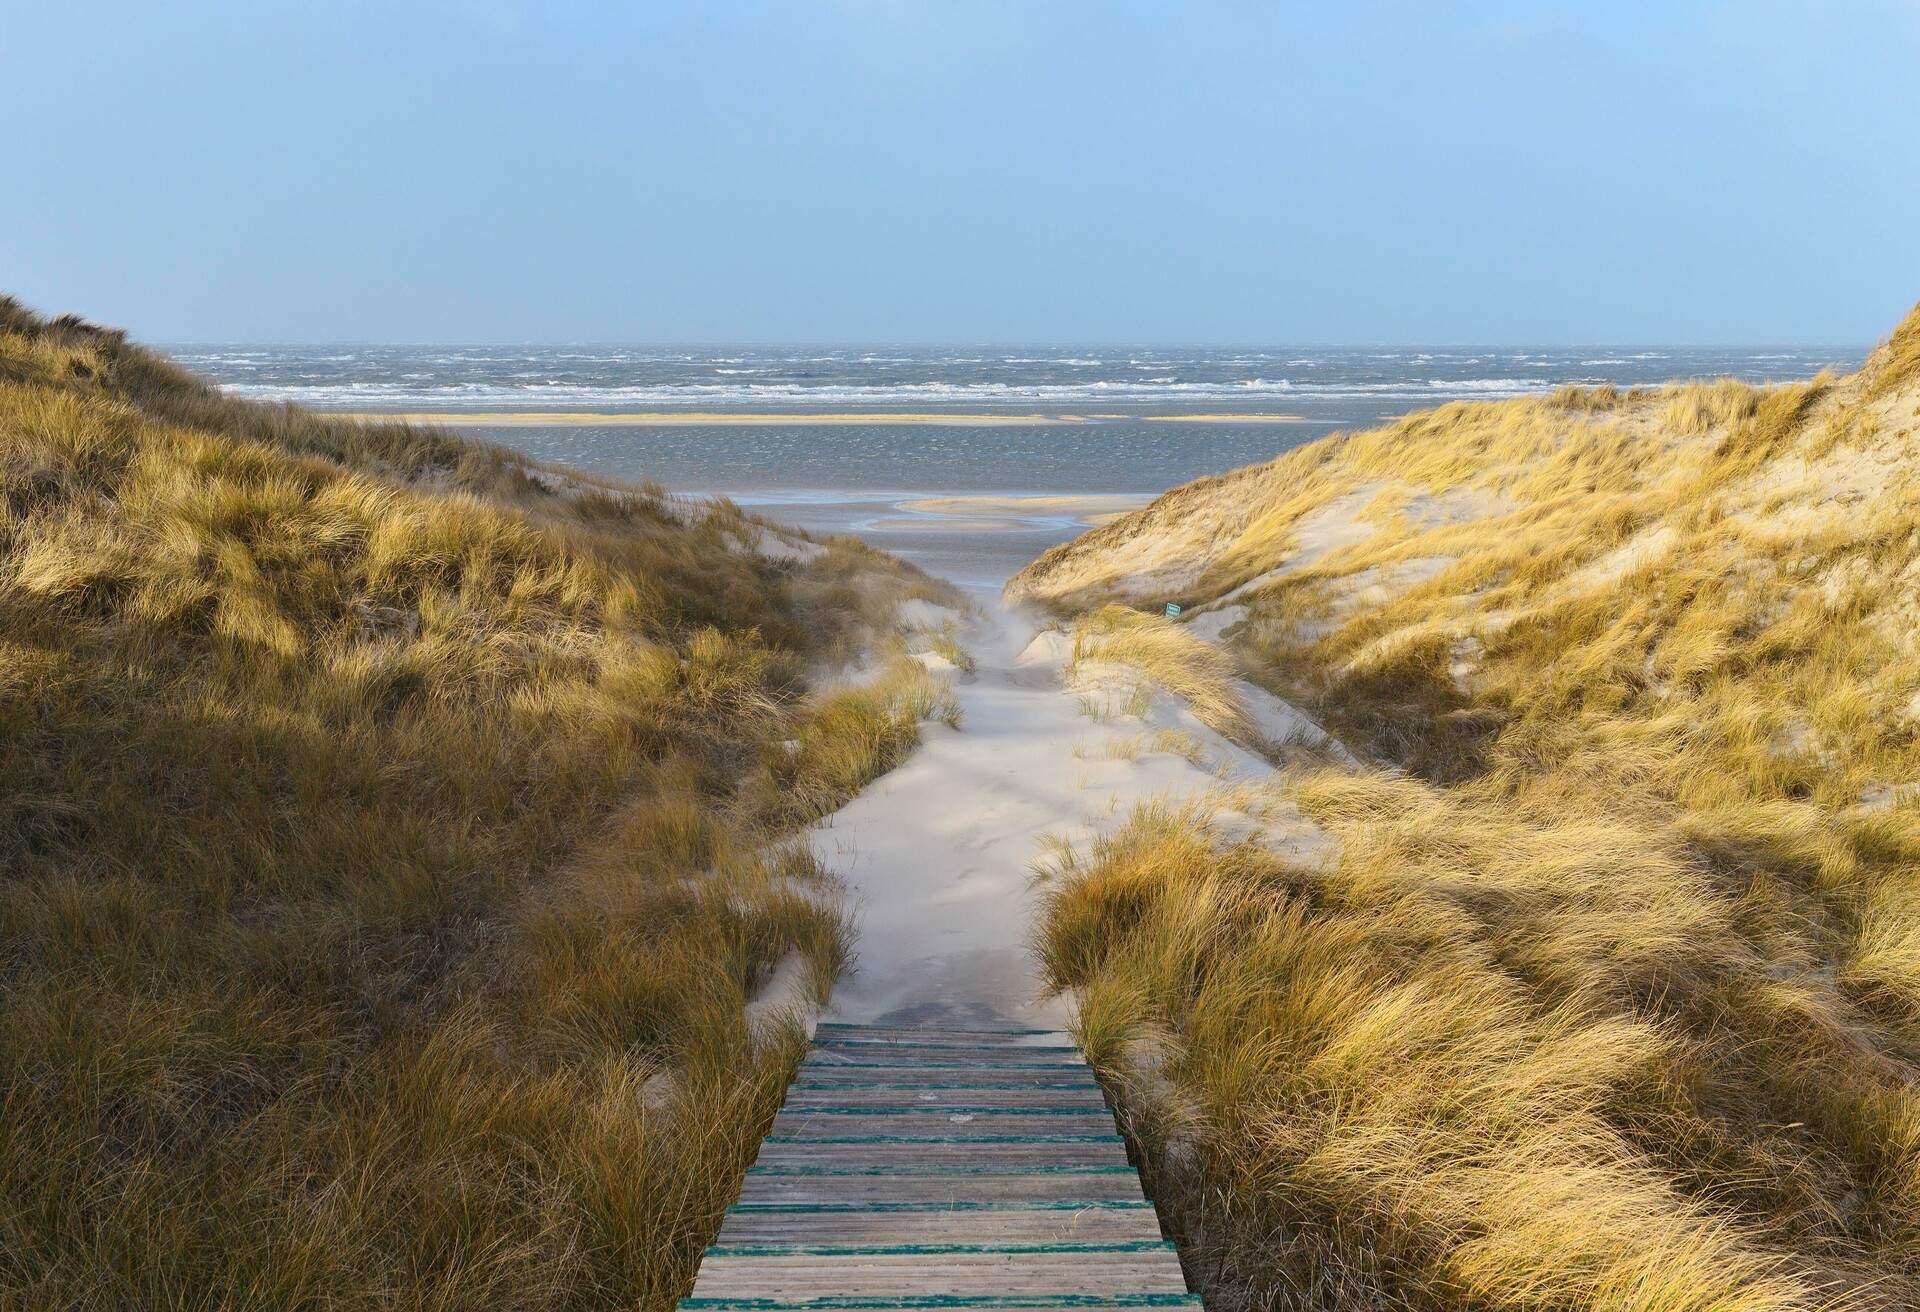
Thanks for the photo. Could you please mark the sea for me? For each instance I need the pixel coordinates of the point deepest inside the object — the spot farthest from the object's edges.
(1033, 443)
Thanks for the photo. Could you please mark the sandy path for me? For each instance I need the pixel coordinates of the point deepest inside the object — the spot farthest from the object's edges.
(938, 854)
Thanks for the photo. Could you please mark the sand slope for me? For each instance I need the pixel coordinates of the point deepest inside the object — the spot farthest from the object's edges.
(938, 854)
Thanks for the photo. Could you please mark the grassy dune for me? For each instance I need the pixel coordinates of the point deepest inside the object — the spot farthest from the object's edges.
(1603, 989)
(390, 843)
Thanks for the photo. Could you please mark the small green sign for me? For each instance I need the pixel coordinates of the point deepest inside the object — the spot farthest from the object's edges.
(1173, 610)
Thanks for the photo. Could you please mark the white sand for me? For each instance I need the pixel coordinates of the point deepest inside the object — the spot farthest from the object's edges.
(938, 855)
(1212, 625)
(1087, 508)
(1326, 530)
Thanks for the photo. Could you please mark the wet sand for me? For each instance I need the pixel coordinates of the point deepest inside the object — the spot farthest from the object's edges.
(977, 540)
(1089, 509)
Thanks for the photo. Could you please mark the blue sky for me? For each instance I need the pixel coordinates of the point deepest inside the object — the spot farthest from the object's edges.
(966, 171)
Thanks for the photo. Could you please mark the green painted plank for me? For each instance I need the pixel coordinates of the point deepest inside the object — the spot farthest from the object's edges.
(809, 1142)
(926, 1109)
(817, 1063)
(928, 1250)
(934, 1302)
(803, 1086)
(848, 1041)
(1040, 1205)
(930, 1028)
(845, 1026)
(1006, 1054)
(937, 1122)
(801, 1189)
(758, 1169)
(848, 1064)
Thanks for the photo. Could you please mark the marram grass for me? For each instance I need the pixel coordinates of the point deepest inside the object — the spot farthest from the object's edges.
(391, 835)
(1602, 989)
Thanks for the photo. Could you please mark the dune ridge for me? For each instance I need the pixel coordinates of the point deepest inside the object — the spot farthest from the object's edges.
(1604, 989)
(399, 897)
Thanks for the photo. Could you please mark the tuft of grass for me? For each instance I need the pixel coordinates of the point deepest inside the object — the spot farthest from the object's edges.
(948, 646)
(1167, 657)
(854, 734)
(1897, 363)
(392, 836)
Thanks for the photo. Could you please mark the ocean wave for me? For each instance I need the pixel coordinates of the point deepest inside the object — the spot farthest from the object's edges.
(1492, 386)
(720, 395)
(1311, 378)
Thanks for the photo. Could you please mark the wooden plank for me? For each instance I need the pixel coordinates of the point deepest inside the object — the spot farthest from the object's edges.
(1082, 1223)
(951, 1303)
(874, 1150)
(924, 1096)
(1055, 1270)
(1112, 1184)
(1001, 1042)
(964, 1205)
(821, 1074)
(955, 1054)
(913, 1034)
(836, 1028)
(814, 1123)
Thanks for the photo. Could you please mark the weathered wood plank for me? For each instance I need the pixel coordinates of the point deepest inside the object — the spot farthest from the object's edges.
(822, 1074)
(1086, 1098)
(852, 1054)
(827, 1029)
(1119, 1183)
(965, 1205)
(814, 1123)
(867, 1151)
(1085, 1223)
(952, 1303)
(939, 1042)
(1060, 1270)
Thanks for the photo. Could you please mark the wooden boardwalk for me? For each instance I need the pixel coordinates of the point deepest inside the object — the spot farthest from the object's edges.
(941, 1169)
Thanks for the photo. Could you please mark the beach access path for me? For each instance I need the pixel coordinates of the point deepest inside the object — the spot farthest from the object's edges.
(939, 855)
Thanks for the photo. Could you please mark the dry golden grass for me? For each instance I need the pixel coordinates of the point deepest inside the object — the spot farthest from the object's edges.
(1165, 656)
(390, 841)
(1609, 993)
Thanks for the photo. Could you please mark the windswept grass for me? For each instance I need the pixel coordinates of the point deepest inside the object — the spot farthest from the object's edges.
(1605, 991)
(390, 843)
(947, 646)
(1168, 657)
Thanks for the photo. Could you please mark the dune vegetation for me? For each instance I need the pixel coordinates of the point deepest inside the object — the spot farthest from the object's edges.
(393, 841)
(1600, 985)
(1162, 656)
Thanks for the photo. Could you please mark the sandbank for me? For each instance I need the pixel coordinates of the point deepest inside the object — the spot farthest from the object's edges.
(1090, 509)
